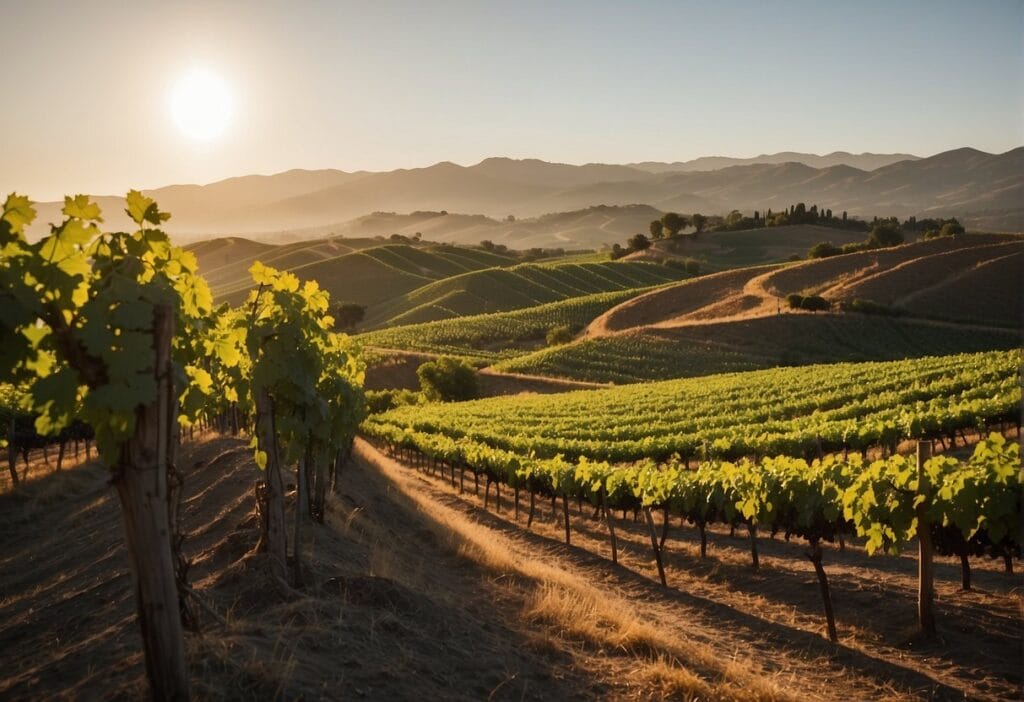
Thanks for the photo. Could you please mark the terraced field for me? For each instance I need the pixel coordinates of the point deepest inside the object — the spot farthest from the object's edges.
(525, 285)
(372, 275)
(652, 353)
(486, 338)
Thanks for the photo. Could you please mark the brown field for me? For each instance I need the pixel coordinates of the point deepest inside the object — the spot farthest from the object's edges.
(673, 302)
(982, 274)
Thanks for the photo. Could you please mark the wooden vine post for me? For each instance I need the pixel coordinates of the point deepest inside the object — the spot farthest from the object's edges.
(140, 478)
(274, 538)
(654, 545)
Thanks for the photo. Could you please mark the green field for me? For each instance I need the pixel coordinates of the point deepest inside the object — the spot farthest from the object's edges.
(779, 411)
(485, 338)
(764, 342)
(373, 275)
(516, 287)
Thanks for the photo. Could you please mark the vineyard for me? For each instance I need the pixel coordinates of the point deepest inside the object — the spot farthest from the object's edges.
(489, 337)
(803, 411)
(117, 349)
(812, 454)
(526, 285)
(113, 338)
(369, 275)
(752, 344)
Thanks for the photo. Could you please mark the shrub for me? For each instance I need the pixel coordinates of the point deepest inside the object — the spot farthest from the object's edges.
(383, 400)
(852, 248)
(815, 303)
(884, 234)
(824, 249)
(448, 379)
(811, 303)
(561, 334)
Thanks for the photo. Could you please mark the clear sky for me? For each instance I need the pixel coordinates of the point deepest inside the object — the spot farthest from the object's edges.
(381, 85)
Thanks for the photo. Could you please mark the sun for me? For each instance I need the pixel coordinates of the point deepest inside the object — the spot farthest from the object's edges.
(201, 105)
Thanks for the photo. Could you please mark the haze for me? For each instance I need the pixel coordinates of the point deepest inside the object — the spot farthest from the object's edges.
(387, 85)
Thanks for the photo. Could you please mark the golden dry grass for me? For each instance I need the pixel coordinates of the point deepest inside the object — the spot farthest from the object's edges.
(577, 614)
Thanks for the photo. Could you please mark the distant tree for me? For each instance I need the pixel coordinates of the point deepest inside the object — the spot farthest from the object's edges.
(347, 315)
(795, 300)
(733, 218)
(657, 229)
(699, 221)
(952, 228)
(884, 233)
(556, 336)
(487, 245)
(824, 249)
(510, 218)
(673, 222)
(844, 215)
(448, 379)
(417, 236)
(638, 242)
(617, 252)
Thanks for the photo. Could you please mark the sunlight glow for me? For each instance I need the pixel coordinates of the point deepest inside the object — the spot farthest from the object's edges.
(201, 105)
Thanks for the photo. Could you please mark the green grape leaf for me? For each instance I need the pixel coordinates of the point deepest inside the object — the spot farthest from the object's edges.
(80, 207)
(18, 212)
(144, 209)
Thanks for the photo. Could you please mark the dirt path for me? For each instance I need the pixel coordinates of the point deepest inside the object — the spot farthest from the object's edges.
(771, 619)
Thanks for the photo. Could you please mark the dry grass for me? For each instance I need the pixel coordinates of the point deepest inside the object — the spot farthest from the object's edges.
(582, 616)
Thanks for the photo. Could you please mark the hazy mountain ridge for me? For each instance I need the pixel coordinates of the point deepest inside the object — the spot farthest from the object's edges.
(864, 161)
(963, 182)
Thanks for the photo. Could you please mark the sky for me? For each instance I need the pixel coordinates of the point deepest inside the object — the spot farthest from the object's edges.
(380, 85)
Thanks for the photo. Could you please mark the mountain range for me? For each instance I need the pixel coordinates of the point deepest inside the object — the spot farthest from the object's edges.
(985, 190)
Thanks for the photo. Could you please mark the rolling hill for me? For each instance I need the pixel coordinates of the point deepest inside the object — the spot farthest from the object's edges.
(955, 294)
(525, 285)
(367, 276)
(974, 278)
(489, 337)
(748, 247)
(961, 182)
(653, 353)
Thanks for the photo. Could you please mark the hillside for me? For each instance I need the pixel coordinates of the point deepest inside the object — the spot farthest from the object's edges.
(225, 262)
(975, 278)
(652, 353)
(749, 247)
(370, 275)
(487, 337)
(591, 227)
(525, 285)
(963, 182)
